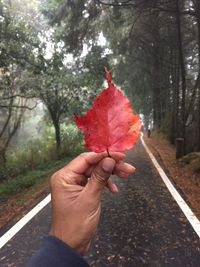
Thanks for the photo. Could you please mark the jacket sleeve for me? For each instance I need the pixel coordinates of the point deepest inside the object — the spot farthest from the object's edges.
(55, 253)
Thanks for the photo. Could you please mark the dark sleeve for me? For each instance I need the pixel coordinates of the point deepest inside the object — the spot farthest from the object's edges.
(55, 253)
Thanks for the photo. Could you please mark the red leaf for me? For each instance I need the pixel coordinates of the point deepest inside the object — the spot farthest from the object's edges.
(110, 124)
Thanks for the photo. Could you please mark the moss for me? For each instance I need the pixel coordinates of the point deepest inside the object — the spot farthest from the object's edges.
(193, 159)
(190, 157)
(196, 164)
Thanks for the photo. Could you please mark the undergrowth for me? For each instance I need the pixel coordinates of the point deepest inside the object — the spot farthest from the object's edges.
(40, 151)
(29, 164)
(193, 159)
(13, 186)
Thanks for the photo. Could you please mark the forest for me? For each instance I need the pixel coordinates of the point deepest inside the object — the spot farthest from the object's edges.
(52, 58)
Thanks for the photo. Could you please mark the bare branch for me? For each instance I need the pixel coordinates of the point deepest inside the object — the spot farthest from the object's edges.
(116, 3)
(20, 107)
(17, 95)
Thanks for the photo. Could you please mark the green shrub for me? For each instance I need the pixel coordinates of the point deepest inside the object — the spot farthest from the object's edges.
(196, 165)
(41, 150)
(193, 159)
(71, 139)
(13, 186)
(190, 157)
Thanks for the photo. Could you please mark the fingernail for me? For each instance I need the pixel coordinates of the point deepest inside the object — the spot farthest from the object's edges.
(134, 169)
(115, 188)
(108, 165)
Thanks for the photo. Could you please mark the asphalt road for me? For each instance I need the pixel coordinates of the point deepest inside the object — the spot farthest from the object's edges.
(140, 226)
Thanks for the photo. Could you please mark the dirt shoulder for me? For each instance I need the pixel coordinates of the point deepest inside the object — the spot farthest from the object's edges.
(183, 176)
(16, 206)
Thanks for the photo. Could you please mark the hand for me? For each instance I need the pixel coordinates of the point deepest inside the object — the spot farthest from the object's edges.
(76, 196)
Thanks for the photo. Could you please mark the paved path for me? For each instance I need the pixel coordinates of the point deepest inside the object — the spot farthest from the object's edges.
(140, 226)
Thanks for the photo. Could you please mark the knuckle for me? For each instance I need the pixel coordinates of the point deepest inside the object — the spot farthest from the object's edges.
(54, 179)
(98, 177)
(84, 154)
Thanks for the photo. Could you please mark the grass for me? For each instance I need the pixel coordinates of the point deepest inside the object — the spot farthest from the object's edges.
(40, 150)
(29, 164)
(15, 185)
(190, 157)
(193, 159)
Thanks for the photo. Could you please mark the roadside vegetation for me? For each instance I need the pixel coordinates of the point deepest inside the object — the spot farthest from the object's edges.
(52, 58)
(31, 163)
(13, 186)
(193, 159)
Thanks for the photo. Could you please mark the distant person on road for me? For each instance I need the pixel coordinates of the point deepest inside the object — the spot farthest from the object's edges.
(76, 192)
(149, 132)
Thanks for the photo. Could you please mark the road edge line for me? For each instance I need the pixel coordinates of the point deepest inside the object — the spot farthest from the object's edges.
(22, 222)
(195, 223)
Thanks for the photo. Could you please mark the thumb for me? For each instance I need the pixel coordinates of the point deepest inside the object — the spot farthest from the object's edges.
(100, 176)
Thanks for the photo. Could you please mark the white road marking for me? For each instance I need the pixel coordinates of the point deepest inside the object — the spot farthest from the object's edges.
(21, 223)
(182, 204)
(195, 223)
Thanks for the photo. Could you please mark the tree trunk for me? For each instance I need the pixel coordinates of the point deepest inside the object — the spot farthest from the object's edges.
(3, 158)
(56, 124)
(198, 86)
(55, 117)
(183, 73)
(156, 72)
(199, 123)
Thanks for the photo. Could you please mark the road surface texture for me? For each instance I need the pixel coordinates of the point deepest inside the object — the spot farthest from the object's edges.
(140, 226)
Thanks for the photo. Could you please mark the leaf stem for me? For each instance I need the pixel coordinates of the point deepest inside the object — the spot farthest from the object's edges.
(109, 157)
(108, 153)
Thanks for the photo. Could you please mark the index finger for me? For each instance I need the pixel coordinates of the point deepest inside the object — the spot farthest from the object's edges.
(85, 160)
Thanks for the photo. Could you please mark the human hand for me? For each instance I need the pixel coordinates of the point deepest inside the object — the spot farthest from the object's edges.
(76, 196)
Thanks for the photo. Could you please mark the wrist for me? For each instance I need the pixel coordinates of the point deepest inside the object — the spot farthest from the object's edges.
(78, 246)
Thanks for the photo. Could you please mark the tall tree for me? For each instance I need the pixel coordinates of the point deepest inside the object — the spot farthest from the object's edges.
(18, 39)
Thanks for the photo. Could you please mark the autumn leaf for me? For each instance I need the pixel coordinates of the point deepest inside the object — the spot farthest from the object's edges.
(110, 124)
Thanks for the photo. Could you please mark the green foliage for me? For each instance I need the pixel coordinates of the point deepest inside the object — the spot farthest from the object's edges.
(42, 150)
(71, 139)
(37, 151)
(72, 20)
(190, 157)
(13, 186)
(196, 165)
(193, 159)
(18, 34)
(37, 159)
